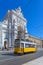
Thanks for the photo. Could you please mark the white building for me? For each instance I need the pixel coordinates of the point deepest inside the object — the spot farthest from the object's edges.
(13, 27)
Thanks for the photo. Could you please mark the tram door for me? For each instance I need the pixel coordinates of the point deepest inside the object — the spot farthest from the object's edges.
(22, 47)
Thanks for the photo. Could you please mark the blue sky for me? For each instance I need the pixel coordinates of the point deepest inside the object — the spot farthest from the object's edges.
(32, 10)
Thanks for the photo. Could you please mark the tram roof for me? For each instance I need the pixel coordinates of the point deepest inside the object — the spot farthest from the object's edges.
(27, 42)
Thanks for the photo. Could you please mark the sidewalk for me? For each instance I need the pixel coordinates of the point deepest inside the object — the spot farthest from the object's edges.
(39, 49)
(38, 61)
(6, 51)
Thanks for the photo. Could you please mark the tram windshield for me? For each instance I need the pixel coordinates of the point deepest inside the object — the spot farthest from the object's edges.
(17, 43)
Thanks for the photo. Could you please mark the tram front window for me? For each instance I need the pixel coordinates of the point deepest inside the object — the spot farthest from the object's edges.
(16, 45)
(22, 45)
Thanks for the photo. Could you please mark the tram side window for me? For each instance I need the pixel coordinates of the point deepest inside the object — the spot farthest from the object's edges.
(33, 45)
(29, 45)
(26, 45)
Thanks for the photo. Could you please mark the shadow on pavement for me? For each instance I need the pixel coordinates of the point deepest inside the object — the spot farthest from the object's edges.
(12, 54)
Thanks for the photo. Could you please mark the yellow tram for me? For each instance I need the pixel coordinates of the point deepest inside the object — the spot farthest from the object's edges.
(24, 46)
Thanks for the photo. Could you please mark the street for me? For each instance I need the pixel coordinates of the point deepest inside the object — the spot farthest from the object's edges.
(13, 59)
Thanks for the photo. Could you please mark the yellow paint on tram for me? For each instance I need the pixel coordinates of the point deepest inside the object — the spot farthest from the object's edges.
(24, 50)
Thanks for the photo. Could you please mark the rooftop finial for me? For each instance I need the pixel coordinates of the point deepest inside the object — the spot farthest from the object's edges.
(18, 9)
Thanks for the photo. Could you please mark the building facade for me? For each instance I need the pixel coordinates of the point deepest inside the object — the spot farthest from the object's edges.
(39, 43)
(13, 27)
